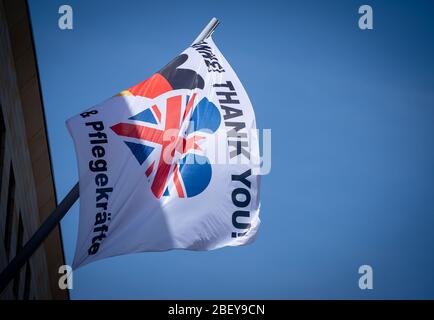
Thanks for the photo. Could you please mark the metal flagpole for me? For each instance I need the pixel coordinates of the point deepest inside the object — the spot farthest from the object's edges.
(207, 31)
(36, 240)
(54, 218)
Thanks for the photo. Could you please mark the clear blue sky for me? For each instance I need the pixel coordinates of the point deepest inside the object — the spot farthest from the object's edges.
(352, 119)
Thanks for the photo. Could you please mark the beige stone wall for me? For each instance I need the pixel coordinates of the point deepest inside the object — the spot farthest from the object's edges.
(26, 150)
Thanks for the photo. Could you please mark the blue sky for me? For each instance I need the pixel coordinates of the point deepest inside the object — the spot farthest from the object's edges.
(352, 119)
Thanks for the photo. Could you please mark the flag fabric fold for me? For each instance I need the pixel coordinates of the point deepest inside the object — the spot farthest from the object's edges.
(169, 163)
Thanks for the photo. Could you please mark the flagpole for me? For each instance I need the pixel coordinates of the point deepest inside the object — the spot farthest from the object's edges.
(54, 218)
(207, 31)
(36, 240)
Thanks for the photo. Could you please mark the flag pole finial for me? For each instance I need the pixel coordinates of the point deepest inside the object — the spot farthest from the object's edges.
(207, 31)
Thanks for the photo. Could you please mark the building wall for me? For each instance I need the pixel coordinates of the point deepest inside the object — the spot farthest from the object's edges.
(27, 193)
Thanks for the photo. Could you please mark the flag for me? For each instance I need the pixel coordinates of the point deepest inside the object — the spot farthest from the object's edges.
(169, 163)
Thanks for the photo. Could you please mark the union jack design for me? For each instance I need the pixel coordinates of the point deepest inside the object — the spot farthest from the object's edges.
(165, 138)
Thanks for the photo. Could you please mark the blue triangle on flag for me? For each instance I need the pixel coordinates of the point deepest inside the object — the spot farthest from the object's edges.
(145, 116)
(140, 151)
(166, 193)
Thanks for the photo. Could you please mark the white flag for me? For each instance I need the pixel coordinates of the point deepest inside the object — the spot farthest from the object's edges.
(169, 163)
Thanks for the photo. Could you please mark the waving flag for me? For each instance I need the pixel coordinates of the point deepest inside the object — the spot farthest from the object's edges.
(169, 162)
